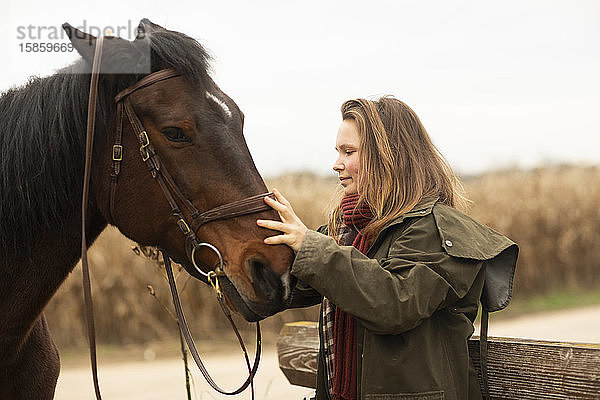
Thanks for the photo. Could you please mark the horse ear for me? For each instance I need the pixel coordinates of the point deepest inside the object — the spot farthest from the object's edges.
(83, 42)
(146, 27)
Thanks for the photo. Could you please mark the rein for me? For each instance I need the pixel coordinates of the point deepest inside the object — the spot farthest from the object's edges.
(190, 341)
(250, 205)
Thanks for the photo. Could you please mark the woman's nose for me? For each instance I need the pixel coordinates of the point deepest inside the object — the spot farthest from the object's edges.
(338, 166)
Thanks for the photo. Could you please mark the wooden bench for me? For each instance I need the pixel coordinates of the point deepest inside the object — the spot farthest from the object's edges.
(517, 368)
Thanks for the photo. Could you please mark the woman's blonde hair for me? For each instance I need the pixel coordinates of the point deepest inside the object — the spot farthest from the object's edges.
(399, 164)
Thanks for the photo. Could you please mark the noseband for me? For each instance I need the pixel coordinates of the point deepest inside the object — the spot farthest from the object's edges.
(174, 196)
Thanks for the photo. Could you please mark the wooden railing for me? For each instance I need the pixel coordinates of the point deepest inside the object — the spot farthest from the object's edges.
(517, 368)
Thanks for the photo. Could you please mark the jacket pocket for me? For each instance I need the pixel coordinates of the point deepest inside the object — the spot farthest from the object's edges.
(436, 395)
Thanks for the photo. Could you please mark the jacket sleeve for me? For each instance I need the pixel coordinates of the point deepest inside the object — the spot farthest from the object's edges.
(394, 294)
(303, 295)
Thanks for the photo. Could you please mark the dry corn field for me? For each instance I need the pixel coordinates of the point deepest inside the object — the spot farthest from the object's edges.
(552, 213)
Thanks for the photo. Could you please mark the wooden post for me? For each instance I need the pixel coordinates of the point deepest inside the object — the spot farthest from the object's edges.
(517, 368)
(297, 350)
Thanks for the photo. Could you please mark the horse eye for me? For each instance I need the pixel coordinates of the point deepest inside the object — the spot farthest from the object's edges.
(175, 135)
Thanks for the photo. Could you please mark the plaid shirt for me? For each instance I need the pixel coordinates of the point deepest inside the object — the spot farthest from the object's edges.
(328, 340)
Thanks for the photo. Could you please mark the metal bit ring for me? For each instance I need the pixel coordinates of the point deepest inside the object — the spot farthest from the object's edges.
(213, 248)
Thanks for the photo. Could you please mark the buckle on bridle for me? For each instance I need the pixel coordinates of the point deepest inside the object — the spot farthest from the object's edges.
(143, 138)
(145, 153)
(183, 226)
(213, 279)
(117, 153)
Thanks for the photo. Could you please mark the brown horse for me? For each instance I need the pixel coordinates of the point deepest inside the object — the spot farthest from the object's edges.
(194, 127)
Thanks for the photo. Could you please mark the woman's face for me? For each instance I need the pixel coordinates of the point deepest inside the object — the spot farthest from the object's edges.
(347, 163)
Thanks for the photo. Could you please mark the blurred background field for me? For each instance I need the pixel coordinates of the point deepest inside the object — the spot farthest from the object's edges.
(552, 213)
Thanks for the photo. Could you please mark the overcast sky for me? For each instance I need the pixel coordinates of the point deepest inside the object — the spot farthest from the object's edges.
(496, 83)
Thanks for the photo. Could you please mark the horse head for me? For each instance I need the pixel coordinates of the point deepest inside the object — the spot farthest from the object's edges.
(196, 131)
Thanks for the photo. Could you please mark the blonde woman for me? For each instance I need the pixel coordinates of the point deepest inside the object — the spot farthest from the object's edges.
(398, 268)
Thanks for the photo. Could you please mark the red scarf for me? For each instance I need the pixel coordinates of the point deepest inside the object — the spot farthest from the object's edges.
(345, 369)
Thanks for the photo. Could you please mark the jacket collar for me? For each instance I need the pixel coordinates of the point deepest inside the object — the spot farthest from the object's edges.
(423, 207)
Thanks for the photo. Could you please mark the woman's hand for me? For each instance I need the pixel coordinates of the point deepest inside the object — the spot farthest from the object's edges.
(293, 229)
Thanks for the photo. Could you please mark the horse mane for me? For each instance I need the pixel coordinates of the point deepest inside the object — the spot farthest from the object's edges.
(42, 134)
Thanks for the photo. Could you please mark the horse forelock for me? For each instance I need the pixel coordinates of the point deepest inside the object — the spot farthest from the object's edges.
(175, 50)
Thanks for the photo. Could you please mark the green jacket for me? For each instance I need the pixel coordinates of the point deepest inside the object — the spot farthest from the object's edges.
(415, 296)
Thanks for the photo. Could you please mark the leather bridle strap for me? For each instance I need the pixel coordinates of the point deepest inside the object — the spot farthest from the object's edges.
(483, 352)
(190, 340)
(147, 81)
(245, 206)
(89, 142)
(117, 149)
(117, 157)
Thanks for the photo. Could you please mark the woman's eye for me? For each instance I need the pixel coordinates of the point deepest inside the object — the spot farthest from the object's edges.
(349, 152)
(176, 135)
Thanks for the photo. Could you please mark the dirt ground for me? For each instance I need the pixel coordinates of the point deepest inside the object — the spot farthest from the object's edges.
(164, 378)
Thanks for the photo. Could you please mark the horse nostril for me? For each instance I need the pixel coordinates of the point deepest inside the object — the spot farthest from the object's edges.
(266, 282)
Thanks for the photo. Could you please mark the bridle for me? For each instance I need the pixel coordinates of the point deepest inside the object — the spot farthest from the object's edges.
(250, 205)
(166, 182)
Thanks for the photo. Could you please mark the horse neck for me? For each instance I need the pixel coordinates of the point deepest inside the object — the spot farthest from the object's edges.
(29, 283)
